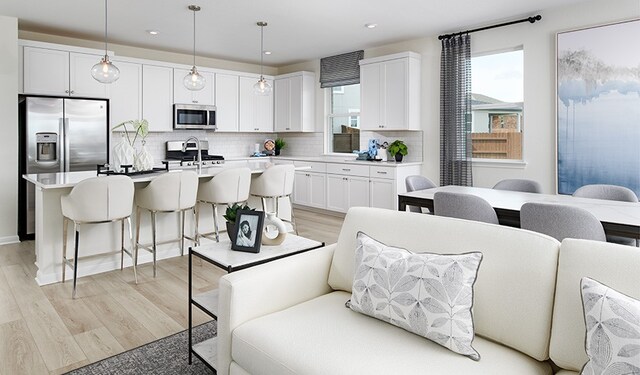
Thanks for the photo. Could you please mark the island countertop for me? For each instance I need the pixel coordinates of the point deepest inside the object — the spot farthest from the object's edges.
(70, 179)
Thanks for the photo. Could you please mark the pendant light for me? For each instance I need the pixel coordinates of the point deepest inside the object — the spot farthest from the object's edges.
(105, 71)
(262, 87)
(194, 81)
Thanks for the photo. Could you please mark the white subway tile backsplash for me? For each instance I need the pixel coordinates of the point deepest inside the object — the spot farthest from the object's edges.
(413, 140)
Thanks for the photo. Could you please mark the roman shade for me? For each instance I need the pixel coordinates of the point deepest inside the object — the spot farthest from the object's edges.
(340, 70)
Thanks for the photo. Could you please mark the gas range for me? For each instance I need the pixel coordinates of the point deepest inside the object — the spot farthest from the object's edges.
(176, 158)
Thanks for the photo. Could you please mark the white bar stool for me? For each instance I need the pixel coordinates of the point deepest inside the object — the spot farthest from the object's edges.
(96, 200)
(274, 183)
(225, 188)
(171, 192)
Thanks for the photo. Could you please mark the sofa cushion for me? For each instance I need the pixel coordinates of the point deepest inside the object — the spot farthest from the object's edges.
(514, 291)
(613, 330)
(427, 294)
(611, 264)
(321, 336)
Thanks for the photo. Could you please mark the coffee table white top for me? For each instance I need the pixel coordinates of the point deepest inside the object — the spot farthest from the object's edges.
(221, 255)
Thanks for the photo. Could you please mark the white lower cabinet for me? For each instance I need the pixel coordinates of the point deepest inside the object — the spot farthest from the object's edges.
(344, 192)
(382, 193)
(309, 189)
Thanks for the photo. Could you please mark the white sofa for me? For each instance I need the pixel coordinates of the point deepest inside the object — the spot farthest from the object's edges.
(289, 317)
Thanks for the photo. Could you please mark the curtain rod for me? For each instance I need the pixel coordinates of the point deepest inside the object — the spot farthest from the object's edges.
(529, 19)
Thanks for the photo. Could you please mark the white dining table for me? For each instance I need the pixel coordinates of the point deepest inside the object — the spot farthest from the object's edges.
(617, 218)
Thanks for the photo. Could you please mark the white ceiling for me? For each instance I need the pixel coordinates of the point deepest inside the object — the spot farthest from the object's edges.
(298, 30)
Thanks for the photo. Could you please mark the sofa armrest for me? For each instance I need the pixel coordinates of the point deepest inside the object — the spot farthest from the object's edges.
(264, 289)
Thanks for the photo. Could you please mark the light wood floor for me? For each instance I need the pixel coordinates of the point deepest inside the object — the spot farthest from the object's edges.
(44, 331)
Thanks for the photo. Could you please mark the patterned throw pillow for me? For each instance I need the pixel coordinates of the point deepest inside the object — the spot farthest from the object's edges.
(613, 330)
(427, 294)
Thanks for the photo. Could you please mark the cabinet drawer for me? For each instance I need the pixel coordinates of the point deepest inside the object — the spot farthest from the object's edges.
(348, 169)
(382, 172)
(315, 167)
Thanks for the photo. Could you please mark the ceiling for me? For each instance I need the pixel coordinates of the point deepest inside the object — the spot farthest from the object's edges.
(298, 30)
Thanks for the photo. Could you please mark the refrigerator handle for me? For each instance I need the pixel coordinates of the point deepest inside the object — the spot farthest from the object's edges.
(65, 121)
(60, 144)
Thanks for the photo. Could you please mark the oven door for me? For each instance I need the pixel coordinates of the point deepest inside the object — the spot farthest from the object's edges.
(194, 117)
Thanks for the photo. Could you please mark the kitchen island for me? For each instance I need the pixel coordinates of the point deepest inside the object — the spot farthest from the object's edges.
(103, 238)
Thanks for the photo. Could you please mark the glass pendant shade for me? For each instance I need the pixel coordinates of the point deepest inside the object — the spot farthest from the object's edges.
(105, 71)
(194, 81)
(262, 87)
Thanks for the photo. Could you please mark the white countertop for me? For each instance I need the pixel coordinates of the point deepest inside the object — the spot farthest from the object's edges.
(70, 179)
(345, 160)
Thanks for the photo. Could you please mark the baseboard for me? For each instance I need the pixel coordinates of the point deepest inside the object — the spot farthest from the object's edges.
(9, 240)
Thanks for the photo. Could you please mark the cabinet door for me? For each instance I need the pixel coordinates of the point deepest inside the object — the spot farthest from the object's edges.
(126, 94)
(182, 95)
(383, 193)
(157, 97)
(46, 71)
(81, 82)
(395, 95)
(282, 91)
(301, 188)
(337, 193)
(295, 104)
(370, 90)
(226, 94)
(256, 111)
(358, 192)
(264, 111)
(318, 190)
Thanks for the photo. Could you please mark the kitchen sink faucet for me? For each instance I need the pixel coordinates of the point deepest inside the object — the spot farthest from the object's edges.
(184, 149)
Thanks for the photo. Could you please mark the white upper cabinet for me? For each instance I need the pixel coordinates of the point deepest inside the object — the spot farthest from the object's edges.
(294, 102)
(227, 86)
(182, 95)
(157, 97)
(125, 94)
(256, 111)
(390, 92)
(60, 73)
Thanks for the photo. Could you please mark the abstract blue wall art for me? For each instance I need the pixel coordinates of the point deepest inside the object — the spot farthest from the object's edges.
(598, 107)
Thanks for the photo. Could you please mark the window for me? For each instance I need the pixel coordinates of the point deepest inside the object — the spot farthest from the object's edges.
(343, 119)
(497, 103)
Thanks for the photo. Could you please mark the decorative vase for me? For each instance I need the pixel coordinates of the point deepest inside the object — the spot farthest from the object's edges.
(277, 151)
(270, 221)
(231, 231)
(398, 157)
(123, 154)
(144, 160)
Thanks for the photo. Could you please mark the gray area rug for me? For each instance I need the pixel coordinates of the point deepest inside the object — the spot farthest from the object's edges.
(168, 355)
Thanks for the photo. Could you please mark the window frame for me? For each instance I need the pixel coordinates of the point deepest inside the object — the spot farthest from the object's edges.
(329, 116)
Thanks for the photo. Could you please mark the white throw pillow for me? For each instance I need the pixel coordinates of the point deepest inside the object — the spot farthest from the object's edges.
(613, 330)
(430, 295)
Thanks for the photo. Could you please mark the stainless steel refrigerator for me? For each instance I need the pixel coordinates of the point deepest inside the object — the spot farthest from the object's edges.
(58, 135)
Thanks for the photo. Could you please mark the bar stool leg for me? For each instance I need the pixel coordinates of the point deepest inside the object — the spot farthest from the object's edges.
(75, 261)
(121, 244)
(214, 209)
(264, 204)
(135, 260)
(182, 234)
(196, 220)
(65, 228)
(131, 246)
(293, 218)
(277, 200)
(153, 235)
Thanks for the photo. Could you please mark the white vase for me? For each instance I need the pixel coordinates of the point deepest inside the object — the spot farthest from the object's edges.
(144, 160)
(272, 224)
(123, 154)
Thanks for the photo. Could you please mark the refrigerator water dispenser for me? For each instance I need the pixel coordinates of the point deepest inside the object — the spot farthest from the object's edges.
(47, 146)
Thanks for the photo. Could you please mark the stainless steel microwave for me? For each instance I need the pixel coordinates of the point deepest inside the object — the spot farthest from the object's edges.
(194, 116)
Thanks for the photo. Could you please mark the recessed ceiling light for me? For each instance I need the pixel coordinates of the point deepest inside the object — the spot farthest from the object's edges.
(153, 32)
(370, 25)
(267, 52)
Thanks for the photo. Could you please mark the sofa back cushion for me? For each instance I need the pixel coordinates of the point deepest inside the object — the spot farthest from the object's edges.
(513, 294)
(617, 266)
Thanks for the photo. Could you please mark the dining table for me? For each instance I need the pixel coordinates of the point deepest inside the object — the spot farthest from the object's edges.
(618, 218)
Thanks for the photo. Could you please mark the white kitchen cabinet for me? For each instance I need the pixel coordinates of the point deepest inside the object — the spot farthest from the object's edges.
(157, 97)
(256, 111)
(390, 92)
(382, 193)
(345, 191)
(60, 73)
(125, 94)
(294, 102)
(226, 94)
(309, 189)
(182, 95)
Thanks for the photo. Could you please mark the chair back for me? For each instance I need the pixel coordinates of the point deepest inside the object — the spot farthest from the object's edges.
(275, 181)
(463, 206)
(610, 192)
(172, 191)
(229, 186)
(560, 221)
(518, 184)
(99, 199)
(415, 183)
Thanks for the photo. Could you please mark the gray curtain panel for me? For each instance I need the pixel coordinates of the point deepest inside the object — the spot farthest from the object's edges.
(455, 111)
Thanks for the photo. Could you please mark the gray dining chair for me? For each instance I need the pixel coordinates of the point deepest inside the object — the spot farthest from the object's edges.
(463, 206)
(610, 192)
(415, 183)
(519, 184)
(560, 221)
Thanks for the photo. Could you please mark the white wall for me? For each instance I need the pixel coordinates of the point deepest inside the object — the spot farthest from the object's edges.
(9, 129)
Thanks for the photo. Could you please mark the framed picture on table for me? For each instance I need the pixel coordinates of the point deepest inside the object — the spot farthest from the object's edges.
(248, 231)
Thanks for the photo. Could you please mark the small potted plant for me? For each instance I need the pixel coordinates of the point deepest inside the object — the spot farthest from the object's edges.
(230, 216)
(398, 149)
(280, 144)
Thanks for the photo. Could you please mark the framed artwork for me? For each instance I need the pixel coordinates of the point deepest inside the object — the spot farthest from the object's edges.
(598, 107)
(249, 231)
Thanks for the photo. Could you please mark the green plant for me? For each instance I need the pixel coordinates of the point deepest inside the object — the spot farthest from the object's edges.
(232, 211)
(280, 143)
(141, 128)
(398, 147)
